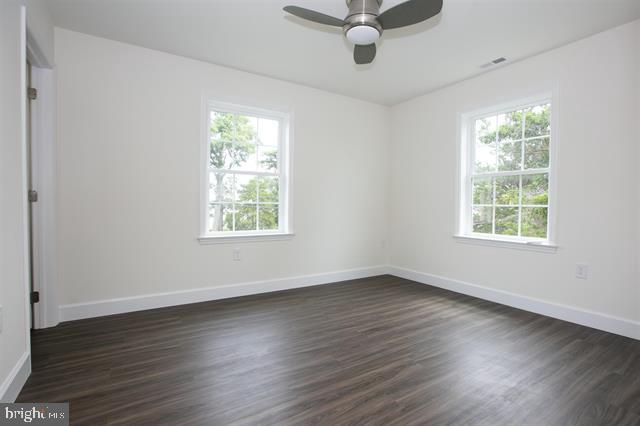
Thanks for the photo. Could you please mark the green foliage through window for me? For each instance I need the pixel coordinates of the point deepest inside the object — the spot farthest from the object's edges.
(243, 179)
(510, 177)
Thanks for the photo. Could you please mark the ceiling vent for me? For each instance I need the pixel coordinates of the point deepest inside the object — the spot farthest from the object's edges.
(494, 62)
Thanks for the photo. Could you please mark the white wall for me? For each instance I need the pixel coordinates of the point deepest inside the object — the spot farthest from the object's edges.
(598, 180)
(14, 279)
(128, 146)
(128, 137)
(14, 338)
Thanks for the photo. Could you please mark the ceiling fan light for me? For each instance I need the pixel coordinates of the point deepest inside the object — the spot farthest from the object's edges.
(363, 35)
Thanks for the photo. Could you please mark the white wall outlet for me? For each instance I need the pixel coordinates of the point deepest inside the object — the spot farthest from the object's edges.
(236, 254)
(1, 318)
(582, 271)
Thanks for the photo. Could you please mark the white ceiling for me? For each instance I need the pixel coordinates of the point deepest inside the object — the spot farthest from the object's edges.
(257, 36)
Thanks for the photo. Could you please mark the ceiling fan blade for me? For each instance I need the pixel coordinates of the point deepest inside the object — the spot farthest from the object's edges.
(409, 13)
(364, 54)
(312, 15)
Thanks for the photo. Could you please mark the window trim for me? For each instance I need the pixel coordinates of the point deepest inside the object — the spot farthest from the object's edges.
(462, 232)
(284, 116)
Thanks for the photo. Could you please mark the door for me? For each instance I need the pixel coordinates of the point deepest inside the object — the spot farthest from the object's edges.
(33, 198)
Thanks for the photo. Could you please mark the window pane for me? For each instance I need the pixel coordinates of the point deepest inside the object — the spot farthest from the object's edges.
(268, 214)
(268, 132)
(220, 187)
(483, 220)
(233, 155)
(485, 156)
(509, 155)
(482, 191)
(218, 154)
(510, 126)
(220, 217)
(485, 144)
(246, 129)
(246, 215)
(222, 126)
(267, 159)
(507, 220)
(233, 139)
(243, 157)
(536, 153)
(507, 190)
(246, 189)
(269, 190)
(534, 222)
(535, 189)
(486, 129)
(537, 121)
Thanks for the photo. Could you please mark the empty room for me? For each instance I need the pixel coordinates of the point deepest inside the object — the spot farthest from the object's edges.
(295, 212)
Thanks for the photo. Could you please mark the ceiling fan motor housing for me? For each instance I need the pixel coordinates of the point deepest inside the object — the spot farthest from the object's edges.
(364, 6)
(364, 24)
(362, 20)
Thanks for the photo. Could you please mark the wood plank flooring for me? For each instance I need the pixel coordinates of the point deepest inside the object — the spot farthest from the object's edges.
(376, 351)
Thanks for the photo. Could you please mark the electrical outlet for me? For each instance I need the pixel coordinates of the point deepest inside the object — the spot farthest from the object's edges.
(582, 271)
(236, 254)
(383, 244)
(1, 318)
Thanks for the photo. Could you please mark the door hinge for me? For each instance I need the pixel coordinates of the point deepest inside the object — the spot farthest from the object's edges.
(35, 297)
(33, 196)
(32, 93)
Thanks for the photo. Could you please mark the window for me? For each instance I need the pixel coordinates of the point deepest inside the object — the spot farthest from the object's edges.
(246, 172)
(507, 173)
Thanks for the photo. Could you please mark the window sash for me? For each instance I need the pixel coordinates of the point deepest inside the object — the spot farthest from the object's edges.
(519, 206)
(281, 174)
(257, 206)
(243, 172)
(510, 173)
(469, 150)
(515, 206)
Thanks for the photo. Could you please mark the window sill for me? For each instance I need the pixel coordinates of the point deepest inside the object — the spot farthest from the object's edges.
(248, 238)
(542, 246)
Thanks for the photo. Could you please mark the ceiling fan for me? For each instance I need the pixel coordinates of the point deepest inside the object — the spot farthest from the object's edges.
(364, 24)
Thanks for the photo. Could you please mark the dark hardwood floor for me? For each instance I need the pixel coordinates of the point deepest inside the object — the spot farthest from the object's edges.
(373, 351)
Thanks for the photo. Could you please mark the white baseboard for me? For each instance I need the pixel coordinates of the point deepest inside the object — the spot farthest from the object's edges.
(159, 300)
(616, 325)
(12, 385)
(587, 318)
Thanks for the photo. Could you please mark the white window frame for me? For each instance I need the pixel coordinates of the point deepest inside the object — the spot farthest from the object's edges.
(283, 116)
(463, 232)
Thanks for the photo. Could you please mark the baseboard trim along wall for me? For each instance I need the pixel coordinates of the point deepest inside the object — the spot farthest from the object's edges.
(587, 318)
(18, 376)
(160, 300)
